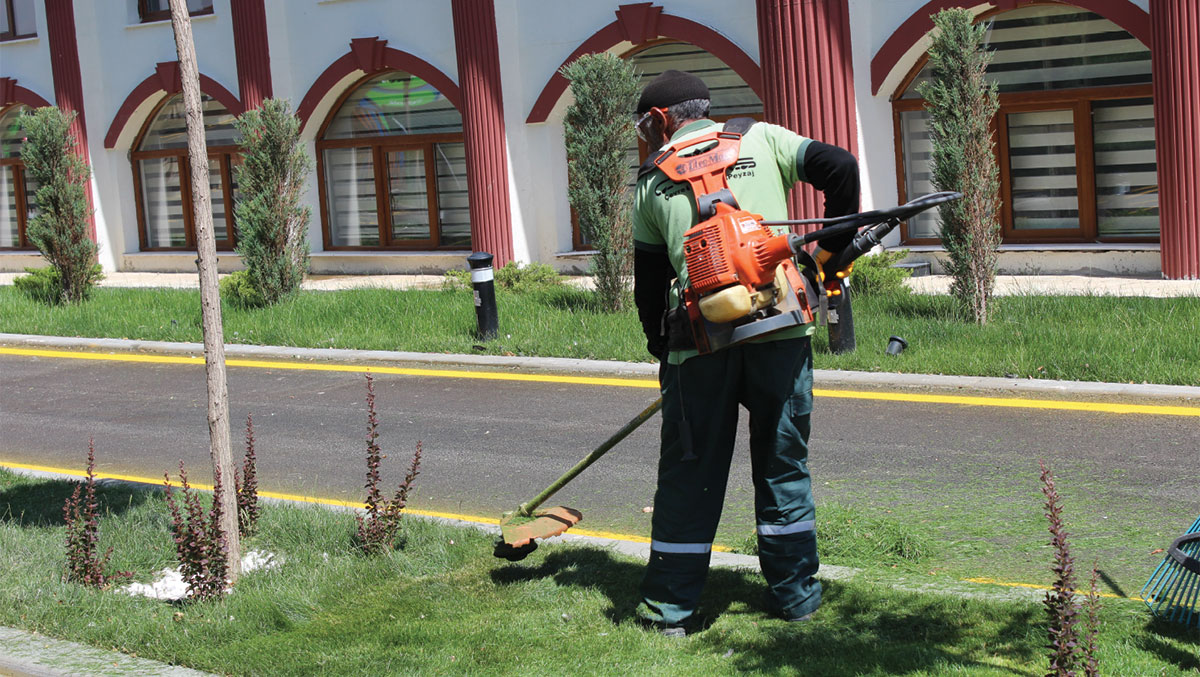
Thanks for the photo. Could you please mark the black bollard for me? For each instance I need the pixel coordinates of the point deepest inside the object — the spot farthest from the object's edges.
(483, 282)
(841, 322)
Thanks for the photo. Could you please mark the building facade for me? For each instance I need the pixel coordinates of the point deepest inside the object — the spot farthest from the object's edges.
(436, 126)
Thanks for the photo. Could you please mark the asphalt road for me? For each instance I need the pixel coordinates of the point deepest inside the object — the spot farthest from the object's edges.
(488, 445)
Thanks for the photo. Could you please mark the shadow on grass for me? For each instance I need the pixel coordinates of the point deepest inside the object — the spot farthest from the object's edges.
(40, 504)
(1153, 642)
(859, 629)
(569, 299)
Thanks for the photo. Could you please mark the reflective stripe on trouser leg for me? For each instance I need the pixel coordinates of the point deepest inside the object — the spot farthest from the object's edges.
(785, 529)
(780, 405)
(687, 503)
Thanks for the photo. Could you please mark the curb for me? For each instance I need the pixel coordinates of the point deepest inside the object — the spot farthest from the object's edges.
(28, 654)
(821, 377)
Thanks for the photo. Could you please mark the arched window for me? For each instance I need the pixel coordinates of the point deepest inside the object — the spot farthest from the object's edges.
(1074, 134)
(16, 190)
(730, 95)
(393, 168)
(162, 176)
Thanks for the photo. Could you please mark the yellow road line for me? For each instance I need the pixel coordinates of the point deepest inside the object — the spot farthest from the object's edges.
(1014, 402)
(969, 400)
(475, 519)
(353, 368)
(455, 516)
(1031, 586)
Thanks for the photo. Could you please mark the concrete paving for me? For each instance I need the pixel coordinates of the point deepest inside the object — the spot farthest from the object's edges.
(1006, 285)
(28, 654)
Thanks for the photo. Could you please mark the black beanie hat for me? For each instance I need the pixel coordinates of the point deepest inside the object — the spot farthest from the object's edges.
(670, 88)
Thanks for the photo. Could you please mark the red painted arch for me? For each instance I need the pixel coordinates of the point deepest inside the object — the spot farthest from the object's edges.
(1121, 12)
(152, 86)
(12, 93)
(668, 26)
(387, 59)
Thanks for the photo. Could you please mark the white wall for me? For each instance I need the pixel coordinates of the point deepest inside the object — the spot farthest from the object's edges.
(307, 36)
(28, 60)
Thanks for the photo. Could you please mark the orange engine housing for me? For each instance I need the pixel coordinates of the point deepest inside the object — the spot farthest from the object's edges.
(732, 247)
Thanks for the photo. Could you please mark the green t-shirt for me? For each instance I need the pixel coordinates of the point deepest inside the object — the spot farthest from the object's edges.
(770, 162)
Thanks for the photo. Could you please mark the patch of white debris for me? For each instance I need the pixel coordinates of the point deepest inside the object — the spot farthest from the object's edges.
(170, 586)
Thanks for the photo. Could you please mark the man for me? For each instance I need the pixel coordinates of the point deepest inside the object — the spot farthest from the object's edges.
(772, 377)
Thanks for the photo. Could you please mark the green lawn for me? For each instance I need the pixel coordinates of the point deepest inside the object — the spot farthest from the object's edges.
(443, 605)
(1125, 340)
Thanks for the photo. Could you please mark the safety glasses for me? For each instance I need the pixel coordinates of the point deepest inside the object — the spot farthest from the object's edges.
(643, 126)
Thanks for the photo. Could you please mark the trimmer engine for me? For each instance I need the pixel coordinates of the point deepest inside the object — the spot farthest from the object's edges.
(742, 280)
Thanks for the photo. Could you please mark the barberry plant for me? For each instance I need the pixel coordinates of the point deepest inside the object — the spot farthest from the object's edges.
(81, 514)
(245, 485)
(199, 542)
(379, 529)
(1068, 654)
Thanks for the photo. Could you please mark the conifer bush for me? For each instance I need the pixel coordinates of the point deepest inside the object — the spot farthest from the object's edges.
(59, 229)
(272, 224)
(599, 129)
(877, 275)
(961, 104)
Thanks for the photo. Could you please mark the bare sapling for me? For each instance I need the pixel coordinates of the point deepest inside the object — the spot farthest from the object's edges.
(210, 299)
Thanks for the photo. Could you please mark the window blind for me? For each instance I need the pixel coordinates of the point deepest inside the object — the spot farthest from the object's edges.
(1041, 151)
(9, 228)
(350, 187)
(1126, 172)
(454, 214)
(1048, 47)
(163, 202)
(169, 129)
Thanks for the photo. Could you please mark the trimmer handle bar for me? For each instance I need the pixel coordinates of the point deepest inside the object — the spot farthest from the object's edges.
(879, 223)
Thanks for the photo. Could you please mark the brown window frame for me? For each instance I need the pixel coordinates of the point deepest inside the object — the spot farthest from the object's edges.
(19, 195)
(149, 16)
(1080, 101)
(380, 145)
(11, 33)
(22, 200)
(227, 155)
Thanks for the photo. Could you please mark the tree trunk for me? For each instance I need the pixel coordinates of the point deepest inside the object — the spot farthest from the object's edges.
(210, 299)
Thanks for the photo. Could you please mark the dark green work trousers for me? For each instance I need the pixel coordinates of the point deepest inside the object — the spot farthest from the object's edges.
(773, 381)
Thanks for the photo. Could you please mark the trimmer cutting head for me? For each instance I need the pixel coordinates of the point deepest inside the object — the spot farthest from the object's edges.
(519, 532)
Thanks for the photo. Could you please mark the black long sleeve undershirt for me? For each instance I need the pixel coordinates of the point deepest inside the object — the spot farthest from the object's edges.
(833, 171)
(652, 274)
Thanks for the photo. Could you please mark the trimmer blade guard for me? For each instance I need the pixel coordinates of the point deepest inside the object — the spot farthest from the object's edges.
(519, 531)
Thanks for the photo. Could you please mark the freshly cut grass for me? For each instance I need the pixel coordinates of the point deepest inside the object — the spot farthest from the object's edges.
(1124, 340)
(442, 605)
(852, 536)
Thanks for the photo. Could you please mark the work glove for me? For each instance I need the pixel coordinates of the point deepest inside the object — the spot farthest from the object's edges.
(831, 282)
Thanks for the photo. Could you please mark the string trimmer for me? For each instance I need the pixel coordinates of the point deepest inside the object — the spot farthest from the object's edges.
(745, 285)
(520, 528)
